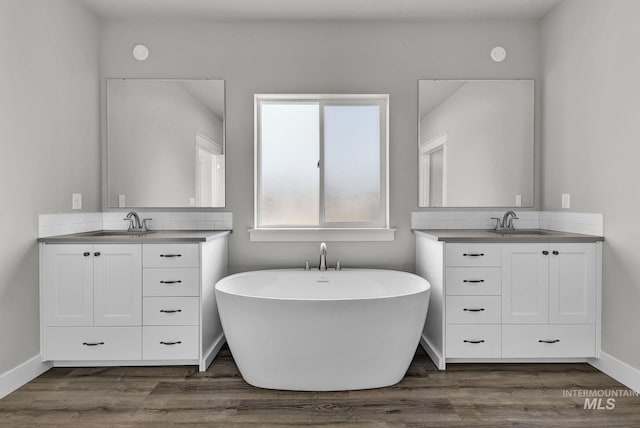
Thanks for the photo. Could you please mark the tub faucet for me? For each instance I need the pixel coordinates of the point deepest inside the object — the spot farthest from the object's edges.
(323, 257)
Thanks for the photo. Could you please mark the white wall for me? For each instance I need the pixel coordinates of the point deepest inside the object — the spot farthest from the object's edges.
(49, 141)
(321, 58)
(591, 144)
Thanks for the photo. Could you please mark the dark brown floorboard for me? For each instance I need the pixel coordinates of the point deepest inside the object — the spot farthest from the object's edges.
(465, 395)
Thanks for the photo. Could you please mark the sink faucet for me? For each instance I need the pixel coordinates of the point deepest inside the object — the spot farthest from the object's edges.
(134, 221)
(323, 257)
(506, 223)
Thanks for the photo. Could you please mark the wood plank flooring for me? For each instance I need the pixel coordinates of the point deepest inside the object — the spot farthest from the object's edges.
(465, 395)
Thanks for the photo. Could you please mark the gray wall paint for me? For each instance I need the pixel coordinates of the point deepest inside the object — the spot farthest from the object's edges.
(49, 141)
(321, 58)
(591, 132)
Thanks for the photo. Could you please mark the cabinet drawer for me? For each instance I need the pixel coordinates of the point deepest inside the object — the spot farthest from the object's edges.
(473, 255)
(170, 310)
(170, 343)
(170, 255)
(171, 282)
(474, 281)
(474, 310)
(473, 341)
(548, 341)
(93, 343)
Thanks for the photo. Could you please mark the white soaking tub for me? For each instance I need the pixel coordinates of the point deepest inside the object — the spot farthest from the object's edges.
(323, 331)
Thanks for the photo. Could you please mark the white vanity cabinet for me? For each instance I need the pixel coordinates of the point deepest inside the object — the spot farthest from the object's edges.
(92, 301)
(143, 303)
(509, 300)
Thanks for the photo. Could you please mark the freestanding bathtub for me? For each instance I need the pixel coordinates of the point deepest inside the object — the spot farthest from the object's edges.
(322, 331)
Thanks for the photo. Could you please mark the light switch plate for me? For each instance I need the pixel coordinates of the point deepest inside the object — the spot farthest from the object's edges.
(566, 200)
(121, 201)
(76, 201)
(518, 200)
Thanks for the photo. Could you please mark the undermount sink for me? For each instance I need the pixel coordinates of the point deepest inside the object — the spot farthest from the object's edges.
(521, 232)
(118, 233)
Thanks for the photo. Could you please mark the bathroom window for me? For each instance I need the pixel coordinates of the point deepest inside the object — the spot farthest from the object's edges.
(321, 161)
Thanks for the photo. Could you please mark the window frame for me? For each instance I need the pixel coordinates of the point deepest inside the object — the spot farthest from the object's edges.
(381, 100)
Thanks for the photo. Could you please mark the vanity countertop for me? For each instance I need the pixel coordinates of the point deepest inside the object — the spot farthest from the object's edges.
(152, 237)
(521, 235)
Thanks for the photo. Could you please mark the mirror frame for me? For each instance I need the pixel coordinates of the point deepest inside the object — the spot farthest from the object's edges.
(533, 150)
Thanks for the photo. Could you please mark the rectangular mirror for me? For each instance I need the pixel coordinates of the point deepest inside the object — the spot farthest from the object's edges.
(476, 143)
(165, 143)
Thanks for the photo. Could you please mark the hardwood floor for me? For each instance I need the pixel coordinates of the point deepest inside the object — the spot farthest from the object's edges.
(465, 395)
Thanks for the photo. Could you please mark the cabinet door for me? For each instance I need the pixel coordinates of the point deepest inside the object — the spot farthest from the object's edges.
(525, 278)
(68, 285)
(117, 285)
(572, 283)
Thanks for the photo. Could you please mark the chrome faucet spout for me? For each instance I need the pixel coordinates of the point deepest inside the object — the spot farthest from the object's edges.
(507, 220)
(134, 221)
(323, 257)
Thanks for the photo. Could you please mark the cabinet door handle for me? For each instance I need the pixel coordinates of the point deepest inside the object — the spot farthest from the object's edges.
(549, 341)
(170, 255)
(177, 342)
(555, 253)
(473, 309)
(92, 343)
(97, 253)
(473, 254)
(545, 252)
(171, 282)
(473, 281)
(473, 341)
(86, 254)
(170, 311)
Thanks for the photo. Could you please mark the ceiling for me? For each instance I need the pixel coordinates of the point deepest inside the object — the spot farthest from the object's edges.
(323, 10)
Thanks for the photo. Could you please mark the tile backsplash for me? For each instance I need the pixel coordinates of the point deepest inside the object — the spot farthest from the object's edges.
(63, 224)
(586, 223)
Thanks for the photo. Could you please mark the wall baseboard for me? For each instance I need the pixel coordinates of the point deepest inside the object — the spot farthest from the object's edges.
(432, 353)
(22, 374)
(619, 370)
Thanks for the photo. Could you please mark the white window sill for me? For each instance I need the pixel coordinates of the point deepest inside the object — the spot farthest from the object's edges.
(314, 235)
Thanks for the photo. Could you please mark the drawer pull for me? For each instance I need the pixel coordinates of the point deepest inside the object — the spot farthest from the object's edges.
(92, 343)
(473, 254)
(473, 281)
(475, 342)
(171, 282)
(545, 252)
(170, 311)
(86, 254)
(170, 255)
(97, 254)
(555, 253)
(177, 342)
(549, 341)
(473, 309)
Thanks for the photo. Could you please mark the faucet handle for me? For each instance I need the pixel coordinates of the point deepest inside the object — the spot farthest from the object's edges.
(510, 224)
(498, 223)
(145, 226)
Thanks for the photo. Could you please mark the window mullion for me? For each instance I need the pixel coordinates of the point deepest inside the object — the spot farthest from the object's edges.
(321, 216)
